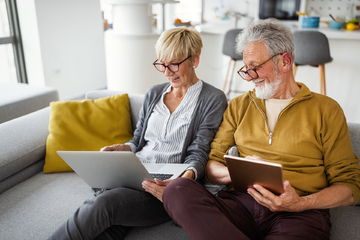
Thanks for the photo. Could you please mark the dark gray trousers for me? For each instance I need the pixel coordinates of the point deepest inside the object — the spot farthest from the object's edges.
(108, 215)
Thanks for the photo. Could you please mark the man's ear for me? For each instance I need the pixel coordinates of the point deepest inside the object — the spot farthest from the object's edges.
(286, 62)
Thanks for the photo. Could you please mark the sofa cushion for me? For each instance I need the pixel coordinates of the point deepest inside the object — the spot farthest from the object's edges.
(86, 125)
(35, 208)
(42, 203)
(136, 101)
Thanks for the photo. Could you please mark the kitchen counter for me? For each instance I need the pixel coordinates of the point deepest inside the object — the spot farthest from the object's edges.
(325, 29)
(221, 27)
(218, 27)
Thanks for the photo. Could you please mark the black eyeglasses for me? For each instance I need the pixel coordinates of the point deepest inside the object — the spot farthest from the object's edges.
(252, 72)
(173, 67)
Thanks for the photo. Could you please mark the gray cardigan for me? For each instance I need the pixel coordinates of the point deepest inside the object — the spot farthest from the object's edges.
(204, 124)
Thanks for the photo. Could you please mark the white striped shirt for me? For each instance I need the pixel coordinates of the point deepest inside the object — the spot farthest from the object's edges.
(166, 131)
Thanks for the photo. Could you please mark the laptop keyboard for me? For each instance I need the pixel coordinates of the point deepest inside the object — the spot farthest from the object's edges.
(161, 176)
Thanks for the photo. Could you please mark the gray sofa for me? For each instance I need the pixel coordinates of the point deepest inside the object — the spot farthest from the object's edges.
(34, 204)
(18, 99)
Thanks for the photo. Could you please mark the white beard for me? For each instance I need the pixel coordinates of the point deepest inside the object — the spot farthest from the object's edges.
(268, 90)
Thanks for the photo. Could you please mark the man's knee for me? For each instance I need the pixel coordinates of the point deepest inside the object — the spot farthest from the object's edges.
(173, 189)
(176, 196)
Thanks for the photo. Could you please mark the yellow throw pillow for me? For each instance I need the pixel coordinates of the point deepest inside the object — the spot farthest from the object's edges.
(86, 125)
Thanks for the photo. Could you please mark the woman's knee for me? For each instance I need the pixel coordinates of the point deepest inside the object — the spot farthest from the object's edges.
(109, 199)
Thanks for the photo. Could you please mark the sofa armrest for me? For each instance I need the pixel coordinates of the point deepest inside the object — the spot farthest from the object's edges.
(20, 99)
(23, 142)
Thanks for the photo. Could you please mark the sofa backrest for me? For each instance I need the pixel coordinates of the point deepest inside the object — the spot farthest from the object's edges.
(136, 101)
(354, 129)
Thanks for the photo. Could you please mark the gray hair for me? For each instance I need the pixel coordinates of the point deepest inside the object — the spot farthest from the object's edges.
(276, 37)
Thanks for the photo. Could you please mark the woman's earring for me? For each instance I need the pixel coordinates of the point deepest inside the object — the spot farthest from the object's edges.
(194, 67)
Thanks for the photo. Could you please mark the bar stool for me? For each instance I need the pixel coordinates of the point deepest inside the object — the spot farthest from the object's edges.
(312, 48)
(229, 47)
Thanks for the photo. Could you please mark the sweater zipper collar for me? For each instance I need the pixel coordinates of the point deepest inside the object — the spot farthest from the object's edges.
(287, 107)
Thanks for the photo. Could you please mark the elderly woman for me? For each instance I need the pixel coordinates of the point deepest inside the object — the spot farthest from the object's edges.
(177, 123)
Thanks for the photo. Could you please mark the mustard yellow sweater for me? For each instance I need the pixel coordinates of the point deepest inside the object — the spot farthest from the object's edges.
(310, 139)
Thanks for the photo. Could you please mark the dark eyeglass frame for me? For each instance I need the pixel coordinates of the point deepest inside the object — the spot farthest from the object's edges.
(249, 71)
(167, 66)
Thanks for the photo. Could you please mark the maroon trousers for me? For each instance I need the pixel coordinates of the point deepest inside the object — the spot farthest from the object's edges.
(235, 215)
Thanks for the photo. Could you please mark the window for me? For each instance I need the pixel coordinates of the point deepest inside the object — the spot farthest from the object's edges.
(12, 64)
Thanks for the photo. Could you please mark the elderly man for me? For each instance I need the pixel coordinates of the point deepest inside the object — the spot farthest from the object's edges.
(281, 121)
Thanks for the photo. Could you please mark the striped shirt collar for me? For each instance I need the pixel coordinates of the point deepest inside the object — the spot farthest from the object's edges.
(193, 88)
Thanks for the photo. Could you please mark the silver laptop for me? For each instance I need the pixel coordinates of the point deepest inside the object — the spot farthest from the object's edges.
(117, 169)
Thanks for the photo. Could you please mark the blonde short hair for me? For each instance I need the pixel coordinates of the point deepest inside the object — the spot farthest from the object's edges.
(178, 43)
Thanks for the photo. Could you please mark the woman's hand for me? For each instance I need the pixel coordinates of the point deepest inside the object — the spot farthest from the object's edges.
(156, 188)
(116, 147)
(189, 174)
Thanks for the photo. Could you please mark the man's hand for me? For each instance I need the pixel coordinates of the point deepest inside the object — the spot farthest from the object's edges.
(156, 188)
(288, 201)
(218, 173)
(334, 196)
(116, 147)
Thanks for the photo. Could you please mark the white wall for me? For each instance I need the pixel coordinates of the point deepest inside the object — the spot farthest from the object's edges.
(129, 62)
(63, 45)
(212, 64)
(245, 7)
